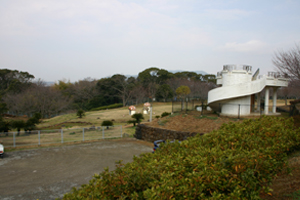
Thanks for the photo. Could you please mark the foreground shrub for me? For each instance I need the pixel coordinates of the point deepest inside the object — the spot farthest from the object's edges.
(238, 161)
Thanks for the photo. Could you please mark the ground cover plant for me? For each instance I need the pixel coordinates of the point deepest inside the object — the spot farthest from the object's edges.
(238, 161)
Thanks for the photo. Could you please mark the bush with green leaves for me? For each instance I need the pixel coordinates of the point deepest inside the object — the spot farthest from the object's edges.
(80, 113)
(18, 124)
(138, 118)
(238, 161)
(164, 114)
(5, 125)
(30, 124)
(107, 124)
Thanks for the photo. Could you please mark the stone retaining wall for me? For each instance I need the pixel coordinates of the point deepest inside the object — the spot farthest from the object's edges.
(150, 134)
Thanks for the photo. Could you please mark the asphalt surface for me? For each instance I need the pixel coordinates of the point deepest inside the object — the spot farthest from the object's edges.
(49, 173)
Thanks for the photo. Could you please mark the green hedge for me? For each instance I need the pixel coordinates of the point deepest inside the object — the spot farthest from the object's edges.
(238, 161)
(116, 105)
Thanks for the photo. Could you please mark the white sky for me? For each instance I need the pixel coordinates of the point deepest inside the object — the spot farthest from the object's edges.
(75, 39)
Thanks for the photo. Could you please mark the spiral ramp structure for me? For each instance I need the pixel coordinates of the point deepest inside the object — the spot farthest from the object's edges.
(239, 90)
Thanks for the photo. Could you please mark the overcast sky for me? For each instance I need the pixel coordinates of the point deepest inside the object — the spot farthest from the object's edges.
(76, 39)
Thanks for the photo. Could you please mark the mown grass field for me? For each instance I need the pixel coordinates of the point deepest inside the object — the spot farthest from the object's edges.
(119, 116)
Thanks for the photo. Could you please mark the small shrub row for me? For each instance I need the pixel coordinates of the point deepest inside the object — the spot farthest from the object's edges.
(238, 161)
(116, 105)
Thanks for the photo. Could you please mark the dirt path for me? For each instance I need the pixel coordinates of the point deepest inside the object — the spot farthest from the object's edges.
(51, 172)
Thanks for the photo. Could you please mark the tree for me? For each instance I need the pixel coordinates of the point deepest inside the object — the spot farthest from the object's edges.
(138, 118)
(106, 95)
(18, 124)
(80, 113)
(164, 91)
(123, 86)
(288, 63)
(151, 78)
(30, 124)
(138, 93)
(83, 92)
(37, 98)
(5, 126)
(200, 89)
(174, 83)
(63, 86)
(14, 81)
(115, 89)
(186, 75)
(107, 124)
(183, 91)
(3, 106)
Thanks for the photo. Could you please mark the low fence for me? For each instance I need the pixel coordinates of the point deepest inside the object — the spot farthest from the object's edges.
(239, 110)
(235, 110)
(57, 136)
(185, 106)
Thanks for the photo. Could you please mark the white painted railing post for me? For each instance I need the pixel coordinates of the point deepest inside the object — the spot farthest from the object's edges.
(39, 133)
(83, 134)
(14, 139)
(102, 132)
(62, 135)
(121, 131)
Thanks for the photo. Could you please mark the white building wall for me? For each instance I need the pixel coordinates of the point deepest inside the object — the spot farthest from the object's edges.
(238, 106)
(236, 77)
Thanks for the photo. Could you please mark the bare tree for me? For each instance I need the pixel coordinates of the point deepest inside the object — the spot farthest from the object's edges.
(288, 63)
(83, 91)
(123, 87)
(39, 98)
(174, 83)
(138, 94)
(284, 92)
(200, 89)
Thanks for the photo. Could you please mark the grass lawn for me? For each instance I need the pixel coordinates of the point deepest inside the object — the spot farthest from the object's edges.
(119, 116)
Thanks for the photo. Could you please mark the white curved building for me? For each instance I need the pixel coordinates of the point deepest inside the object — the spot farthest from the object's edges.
(240, 91)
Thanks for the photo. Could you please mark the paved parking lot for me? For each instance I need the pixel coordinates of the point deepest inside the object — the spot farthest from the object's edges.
(49, 173)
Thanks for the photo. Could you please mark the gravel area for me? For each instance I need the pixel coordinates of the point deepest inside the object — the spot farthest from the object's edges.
(49, 173)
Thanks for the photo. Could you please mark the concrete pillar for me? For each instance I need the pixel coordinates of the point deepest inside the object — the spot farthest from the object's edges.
(258, 101)
(266, 101)
(274, 99)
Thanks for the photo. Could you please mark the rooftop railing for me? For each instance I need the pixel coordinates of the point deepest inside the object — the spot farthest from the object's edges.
(230, 68)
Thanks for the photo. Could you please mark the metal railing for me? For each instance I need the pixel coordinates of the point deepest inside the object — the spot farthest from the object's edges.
(59, 136)
(186, 106)
(237, 110)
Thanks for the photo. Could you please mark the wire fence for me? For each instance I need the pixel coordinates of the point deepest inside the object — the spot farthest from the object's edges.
(59, 136)
(186, 106)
